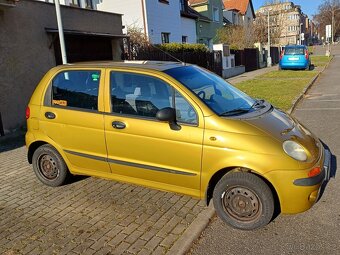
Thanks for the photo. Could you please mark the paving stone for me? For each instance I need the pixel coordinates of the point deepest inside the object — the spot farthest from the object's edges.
(86, 216)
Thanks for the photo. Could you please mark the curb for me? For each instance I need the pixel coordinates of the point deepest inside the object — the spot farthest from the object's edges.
(192, 233)
(304, 92)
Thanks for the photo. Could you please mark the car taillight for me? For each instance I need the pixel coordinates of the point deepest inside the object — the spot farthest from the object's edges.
(28, 112)
(306, 54)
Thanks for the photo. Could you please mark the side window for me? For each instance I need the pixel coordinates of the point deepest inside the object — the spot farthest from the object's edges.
(137, 94)
(77, 89)
(185, 113)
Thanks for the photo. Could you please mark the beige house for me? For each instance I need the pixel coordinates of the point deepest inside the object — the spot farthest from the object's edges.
(287, 22)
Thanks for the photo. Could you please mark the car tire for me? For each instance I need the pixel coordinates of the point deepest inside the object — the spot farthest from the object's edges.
(243, 201)
(49, 166)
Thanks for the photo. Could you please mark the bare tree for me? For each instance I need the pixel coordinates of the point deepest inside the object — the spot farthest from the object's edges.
(238, 37)
(326, 10)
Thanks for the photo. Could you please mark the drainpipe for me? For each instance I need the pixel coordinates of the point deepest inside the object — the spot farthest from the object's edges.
(144, 21)
(61, 32)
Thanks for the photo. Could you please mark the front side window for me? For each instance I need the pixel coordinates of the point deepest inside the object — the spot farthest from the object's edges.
(78, 89)
(143, 96)
(221, 97)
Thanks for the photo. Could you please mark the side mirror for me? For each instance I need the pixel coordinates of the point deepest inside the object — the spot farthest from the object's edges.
(168, 114)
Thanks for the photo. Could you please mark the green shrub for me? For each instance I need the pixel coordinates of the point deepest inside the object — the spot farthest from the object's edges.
(180, 47)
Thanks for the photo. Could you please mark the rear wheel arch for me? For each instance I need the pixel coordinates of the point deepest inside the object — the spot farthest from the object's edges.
(32, 148)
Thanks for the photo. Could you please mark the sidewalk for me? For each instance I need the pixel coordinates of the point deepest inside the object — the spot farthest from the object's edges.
(250, 75)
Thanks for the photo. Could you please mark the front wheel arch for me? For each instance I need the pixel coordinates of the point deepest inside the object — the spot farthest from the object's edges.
(219, 174)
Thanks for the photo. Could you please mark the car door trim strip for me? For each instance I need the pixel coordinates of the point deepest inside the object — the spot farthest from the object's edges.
(125, 163)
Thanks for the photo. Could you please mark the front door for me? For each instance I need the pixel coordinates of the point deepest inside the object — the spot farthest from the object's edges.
(72, 117)
(146, 151)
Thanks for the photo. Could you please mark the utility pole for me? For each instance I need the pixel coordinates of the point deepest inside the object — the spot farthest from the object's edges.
(269, 59)
(61, 32)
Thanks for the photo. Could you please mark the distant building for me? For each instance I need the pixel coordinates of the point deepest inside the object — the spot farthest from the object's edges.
(287, 22)
(238, 12)
(209, 21)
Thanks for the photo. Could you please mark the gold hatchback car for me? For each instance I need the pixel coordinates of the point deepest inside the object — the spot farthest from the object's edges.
(174, 127)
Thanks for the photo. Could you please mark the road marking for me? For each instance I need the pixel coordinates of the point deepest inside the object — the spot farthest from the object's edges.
(318, 109)
(324, 100)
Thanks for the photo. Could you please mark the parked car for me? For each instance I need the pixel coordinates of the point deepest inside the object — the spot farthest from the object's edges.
(178, 128)
(294, 57)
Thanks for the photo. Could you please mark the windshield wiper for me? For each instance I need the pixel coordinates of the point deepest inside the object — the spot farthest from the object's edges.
(257, 103)
(235, 112)
(238, 111)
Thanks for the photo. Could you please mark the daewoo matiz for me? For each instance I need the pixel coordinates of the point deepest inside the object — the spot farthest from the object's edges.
(178, 128)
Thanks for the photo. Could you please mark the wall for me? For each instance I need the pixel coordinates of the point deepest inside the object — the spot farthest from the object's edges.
(26, 50)
(163, 18)
(131, 10)
(188, 27)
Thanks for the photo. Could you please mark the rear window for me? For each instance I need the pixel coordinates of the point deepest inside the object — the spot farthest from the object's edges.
(294, 51)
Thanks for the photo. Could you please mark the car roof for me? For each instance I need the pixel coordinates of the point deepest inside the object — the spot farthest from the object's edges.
(139, 64)
(295, 46)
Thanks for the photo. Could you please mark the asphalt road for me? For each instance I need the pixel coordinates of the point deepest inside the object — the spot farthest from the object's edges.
(316, 231)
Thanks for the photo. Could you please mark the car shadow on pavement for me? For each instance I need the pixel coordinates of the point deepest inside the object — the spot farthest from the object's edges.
(11, 143)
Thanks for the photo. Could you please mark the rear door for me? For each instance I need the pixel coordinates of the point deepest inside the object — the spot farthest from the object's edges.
(72, 116)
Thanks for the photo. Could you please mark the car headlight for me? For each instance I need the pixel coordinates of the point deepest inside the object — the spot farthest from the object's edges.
(295, 150)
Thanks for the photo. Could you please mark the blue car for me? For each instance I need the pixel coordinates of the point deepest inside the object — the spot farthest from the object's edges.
(294, 57)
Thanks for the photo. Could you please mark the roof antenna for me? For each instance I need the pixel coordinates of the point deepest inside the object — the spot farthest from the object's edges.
(170, 55)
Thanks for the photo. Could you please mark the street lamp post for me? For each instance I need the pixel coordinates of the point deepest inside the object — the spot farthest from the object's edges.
(269, 59)
(61, 32)
(300, 34)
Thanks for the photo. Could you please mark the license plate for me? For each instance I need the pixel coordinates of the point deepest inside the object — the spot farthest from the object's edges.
(293, 58)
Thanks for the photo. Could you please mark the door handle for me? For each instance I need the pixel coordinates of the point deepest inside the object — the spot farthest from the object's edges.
(50, 115)
(118, 125)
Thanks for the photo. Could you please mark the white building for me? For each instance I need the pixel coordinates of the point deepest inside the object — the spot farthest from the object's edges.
(163, 21)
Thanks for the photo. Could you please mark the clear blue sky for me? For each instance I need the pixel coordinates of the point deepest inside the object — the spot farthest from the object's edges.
(309, 7)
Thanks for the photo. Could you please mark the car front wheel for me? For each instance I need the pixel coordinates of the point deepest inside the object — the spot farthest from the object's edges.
(243, 200)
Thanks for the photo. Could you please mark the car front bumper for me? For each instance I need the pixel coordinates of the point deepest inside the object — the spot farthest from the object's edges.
(296, 191)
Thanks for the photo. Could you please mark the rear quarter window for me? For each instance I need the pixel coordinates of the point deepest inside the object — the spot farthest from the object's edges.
(76, 89)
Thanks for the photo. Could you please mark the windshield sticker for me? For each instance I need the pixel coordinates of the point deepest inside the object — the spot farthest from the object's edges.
(95, 77)
(60, 102)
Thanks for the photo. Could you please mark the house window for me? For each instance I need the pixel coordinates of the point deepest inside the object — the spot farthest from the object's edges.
(165, 37)
(182, 5)
(164, 1)
(184, 39)
(216, 14)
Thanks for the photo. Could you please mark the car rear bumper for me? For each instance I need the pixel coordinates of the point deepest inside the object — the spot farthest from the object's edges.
(299, 65)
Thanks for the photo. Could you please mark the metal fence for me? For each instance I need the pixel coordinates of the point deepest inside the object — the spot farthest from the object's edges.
(211, 60)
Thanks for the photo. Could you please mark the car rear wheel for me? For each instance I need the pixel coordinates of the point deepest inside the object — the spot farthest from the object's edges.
(243, 200)
(49, 166)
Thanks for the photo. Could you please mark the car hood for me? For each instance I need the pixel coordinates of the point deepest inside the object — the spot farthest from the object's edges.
(281, 126)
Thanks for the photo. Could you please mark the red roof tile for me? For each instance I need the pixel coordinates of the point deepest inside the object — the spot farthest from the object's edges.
(240, 5)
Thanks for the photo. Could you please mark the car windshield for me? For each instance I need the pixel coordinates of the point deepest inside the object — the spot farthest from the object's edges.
(294, 51)
(220, 96)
